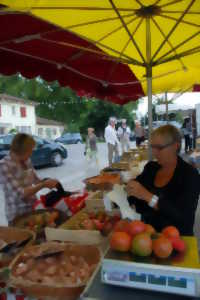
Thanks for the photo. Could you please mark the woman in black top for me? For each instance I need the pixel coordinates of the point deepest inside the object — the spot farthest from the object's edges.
(166, 193)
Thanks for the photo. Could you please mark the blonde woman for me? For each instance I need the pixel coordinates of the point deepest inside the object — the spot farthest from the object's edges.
(167, 191)
(19, 179)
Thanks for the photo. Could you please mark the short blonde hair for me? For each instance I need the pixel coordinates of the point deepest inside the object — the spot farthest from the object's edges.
(21, 143)
(170, 134)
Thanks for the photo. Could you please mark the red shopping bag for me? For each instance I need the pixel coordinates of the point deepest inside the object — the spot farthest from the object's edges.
(70, 204)
(77, 201)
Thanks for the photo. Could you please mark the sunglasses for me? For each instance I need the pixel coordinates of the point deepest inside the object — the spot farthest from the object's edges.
(161, 147)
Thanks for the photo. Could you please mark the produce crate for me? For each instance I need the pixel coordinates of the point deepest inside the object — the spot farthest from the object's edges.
(42, 289)
(123, 165)
(95, 200)
(103, 182)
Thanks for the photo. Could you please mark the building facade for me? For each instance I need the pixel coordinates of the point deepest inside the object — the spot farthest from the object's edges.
(48, 128)
(16, 113)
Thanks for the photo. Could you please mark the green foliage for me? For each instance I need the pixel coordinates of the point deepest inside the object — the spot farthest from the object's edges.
(13, 130)
(63, 105)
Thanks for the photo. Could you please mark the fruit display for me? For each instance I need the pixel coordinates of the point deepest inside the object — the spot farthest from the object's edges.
(39, 219)
(54, 269)
(142, 239)
(91, 220)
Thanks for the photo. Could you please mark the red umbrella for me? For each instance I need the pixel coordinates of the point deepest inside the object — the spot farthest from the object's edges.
(34, 47)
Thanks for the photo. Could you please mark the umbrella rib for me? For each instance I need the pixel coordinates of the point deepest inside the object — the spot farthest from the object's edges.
(171, 3)
(96, 21)
(53, 63)
(182, 54)
(178, 46)
(74, 8)
(127, 30)
(156, 3)
(138, 2)
(126, 59)
(182, 92)
(131, 60)
(144, 80)
(173, 29)
(178, 12)
(183, 22)
(168, 41)
(59, 29)
(93, 51)
(105, 36)
(125, 46)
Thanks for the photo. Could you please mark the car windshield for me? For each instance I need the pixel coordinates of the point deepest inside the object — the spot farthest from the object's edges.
(6, 139)
(76, 135)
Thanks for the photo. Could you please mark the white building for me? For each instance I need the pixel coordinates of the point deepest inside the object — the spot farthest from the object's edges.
(19, 114)
(48, 128)
(16, 113)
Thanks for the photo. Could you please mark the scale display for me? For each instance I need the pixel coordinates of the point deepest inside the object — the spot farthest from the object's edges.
(173, 275)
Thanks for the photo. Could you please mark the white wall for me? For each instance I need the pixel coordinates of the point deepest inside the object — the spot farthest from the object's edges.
(14, 118)
(49, 131)
(197, 106)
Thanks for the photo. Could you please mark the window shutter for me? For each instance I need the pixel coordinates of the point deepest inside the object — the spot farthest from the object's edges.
(23, 111)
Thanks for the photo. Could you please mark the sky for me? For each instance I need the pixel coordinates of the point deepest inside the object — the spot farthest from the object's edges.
(189, 99)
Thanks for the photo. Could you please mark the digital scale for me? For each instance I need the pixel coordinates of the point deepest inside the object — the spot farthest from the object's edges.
(179, 274)
(124, 276)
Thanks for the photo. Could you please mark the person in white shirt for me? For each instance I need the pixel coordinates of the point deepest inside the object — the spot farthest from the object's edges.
(124, 135)
(111, 140)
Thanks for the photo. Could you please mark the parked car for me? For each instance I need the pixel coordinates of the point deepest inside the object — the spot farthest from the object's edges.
(45, 152)
(70, 138)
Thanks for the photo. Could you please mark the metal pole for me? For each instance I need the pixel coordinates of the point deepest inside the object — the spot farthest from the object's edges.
(149, 83)
(166, 104)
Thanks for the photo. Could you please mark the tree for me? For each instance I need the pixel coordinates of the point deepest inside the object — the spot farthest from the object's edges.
(62, 104)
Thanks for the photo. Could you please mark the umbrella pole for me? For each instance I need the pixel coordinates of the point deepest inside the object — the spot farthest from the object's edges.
(166, 104)
(149, 89)
(149, 83)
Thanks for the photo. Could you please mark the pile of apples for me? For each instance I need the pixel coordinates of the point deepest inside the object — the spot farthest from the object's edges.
(38, 221)
(100, 221)
(143, 240)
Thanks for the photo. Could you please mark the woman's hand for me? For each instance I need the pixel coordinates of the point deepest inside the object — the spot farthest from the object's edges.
(137, 190)
(50, 183)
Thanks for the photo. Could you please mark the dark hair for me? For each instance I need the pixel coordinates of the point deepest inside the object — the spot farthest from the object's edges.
(21, 143)
(170, 133)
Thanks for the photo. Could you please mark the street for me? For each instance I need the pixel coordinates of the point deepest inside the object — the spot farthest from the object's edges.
(75, 168)
(71, 173)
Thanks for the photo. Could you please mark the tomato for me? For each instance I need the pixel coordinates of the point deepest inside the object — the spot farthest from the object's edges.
(150, 229)
(121, 225)
(142, 244)
(136, 227)
(171, 231)
(178, 244)
(120, 241)
(98, 224)
(162, 247)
